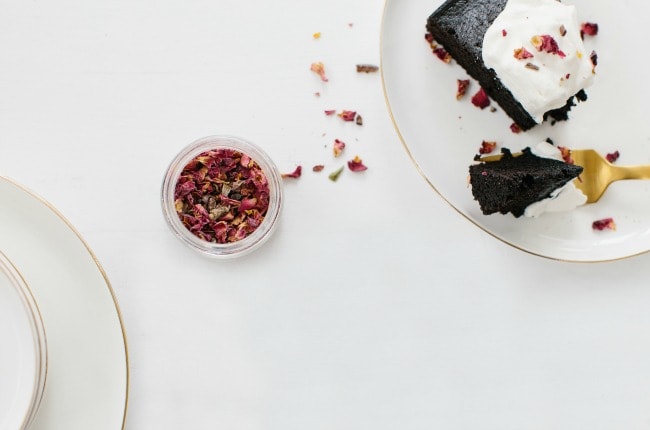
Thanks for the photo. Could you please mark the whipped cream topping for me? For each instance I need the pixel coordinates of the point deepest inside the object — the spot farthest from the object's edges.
(565, 198)
(543, 77)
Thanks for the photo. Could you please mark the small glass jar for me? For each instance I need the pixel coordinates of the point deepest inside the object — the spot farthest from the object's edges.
(213, 248)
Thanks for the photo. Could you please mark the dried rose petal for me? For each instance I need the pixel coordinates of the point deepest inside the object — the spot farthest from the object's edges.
(356, 165)
(442, 54)
(481, 99)
(546, 43)
(461, 88)
(504, 33)
(319, 68)
(318, 168)
(330, 112)
(334, 176)
(487, 147)
(430, 40)
(566, 154)
(295, 174)
(588, 28)
(522, 53)
(613, 156)
(603, 224)
(339, 145)
(367, 68)
(219, 190)
(347, 115)
(594, 60)
(515, 128)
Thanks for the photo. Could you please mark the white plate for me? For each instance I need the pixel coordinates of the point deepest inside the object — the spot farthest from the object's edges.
(442, 135)
(23, 361)
(87, 380)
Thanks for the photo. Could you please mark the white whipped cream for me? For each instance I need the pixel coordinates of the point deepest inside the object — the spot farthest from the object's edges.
(548, 87)
(565, 198)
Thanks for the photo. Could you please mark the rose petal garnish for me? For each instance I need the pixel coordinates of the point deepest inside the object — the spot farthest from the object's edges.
(217, 191)
(347, 115)
(588, 28)
(319, 68)
(295, 174)
(442, 54)
(566, 154)
(318, 168)
(613, 156)
(481, 99)
(338, 147)
(461, 88)
(487, 147)
(546, 43)
(604, 224)
(330, 112)
(356, 165)
(515, 128)
(522, 54)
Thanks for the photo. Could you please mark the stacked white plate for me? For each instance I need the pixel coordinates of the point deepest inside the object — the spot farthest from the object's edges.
(23, 356)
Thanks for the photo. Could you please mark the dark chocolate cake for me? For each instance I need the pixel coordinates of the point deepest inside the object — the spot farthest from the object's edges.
(512, 183)
(460, 25)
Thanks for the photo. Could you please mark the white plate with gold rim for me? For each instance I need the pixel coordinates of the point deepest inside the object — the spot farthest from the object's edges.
(442, 135)
(23, 361)
(87, 375)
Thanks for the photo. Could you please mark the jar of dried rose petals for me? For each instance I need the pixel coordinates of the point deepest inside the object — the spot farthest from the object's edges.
(222, 196)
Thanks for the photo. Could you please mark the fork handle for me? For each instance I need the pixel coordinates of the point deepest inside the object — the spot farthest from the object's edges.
(632, 172)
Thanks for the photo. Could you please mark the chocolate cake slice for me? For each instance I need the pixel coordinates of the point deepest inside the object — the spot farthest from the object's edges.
(460, 25)
(513, 183)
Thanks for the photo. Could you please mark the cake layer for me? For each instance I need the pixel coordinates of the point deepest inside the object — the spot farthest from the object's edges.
(515, 182)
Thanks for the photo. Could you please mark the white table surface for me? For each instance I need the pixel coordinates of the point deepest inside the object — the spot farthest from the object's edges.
(373, 306)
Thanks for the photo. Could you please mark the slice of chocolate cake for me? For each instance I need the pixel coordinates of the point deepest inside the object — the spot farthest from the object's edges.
(513, 183)
(461, 27)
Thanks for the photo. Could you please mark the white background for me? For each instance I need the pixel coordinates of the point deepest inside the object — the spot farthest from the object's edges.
(374, 305)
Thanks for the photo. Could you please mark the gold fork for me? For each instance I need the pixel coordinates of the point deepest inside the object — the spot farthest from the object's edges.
(598, 173)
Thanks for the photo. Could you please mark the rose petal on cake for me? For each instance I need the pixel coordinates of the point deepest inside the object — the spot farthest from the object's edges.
(566, 154)
(487, 147)
(588, 28)
(330, 112)
(522, 53)
(318, 168)
(546, 43)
